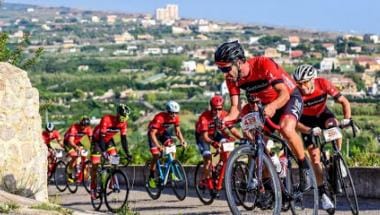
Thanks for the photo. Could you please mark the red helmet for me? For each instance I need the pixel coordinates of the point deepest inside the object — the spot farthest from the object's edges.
(216, 101)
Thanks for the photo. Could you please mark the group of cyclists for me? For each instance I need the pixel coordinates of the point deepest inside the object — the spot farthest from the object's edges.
(297, 104)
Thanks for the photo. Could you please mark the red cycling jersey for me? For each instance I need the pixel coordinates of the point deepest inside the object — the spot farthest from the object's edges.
(109, 125)
(76, 132)
(315, 103)
(263, 75)
(206, 122)
(50, 136)
(162, 121)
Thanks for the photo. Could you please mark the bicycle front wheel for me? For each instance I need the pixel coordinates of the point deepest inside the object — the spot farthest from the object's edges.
(70, 180)
(98, 201)
(204, 193)
(152, 185)
(86, 182)
(179, 180)
(116, 191)
(244, 190)
(60, 176)
(347, 183)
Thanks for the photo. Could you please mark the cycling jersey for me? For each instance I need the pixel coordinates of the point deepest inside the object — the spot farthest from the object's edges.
(50, 136)
(109, 126)
(315, 103)
(76, 132)
(263, 75)
(206, 122)
(162, 121)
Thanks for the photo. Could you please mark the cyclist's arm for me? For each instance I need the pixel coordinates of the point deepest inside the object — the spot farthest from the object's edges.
(235, 133)
(153, 137)
(124, 143)
(178, 133)
(302, 128)
(206, 138)
(102, 144)
(283, 96)
(234, 110)
(71, 142)
(345, 105)
(60, 142)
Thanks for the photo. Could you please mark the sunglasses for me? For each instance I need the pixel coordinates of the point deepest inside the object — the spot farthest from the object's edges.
(218, 109)
(225, 69)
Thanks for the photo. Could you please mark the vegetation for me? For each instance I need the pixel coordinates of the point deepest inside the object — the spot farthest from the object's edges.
(52, 207)
(8, 207)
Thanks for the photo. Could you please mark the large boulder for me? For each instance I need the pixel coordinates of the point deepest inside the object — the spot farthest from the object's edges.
(23, 163)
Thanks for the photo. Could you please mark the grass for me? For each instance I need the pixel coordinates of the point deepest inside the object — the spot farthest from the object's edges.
(127, 211)
(52, 207)
(7, 207)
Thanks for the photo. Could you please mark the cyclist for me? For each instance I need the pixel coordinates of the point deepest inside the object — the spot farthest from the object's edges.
(158, 133)
(49, 135)
(72, 141)
(103, 142)
(316, 116)
(208, 131)
(264, 79)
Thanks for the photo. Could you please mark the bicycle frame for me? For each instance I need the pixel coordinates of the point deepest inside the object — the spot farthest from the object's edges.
(164, 175)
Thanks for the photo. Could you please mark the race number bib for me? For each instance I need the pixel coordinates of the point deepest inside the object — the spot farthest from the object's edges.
(251, 121)
(332, 134)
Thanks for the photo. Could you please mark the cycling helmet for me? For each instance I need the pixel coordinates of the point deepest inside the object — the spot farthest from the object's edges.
(172, 106)
(216, 101)
(229, 52)
(85, 121)
(49, 127)
(304, 73)
(122, 110)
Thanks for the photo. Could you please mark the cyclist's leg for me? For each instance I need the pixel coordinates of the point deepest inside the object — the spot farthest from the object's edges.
(155, 156)
(95, 160)
(204, 149)
(111, 148)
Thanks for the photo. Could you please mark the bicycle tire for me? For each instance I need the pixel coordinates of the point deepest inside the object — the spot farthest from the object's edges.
(71, 186)
(202, 192)
(117, 183)
(347, 183)
(154, 193)
(231, 199)
(97, 203)
(313, 192)
(60, 176)
(180, 181)
(241, 168)
(86, 179)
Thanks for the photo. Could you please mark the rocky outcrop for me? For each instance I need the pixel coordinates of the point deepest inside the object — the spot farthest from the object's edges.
(23, 163)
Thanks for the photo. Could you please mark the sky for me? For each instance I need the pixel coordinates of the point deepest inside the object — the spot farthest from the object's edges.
(351, 16)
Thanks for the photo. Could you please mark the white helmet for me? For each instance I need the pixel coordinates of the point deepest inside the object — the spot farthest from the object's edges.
(304, 72)
(172, 106)
(49, 126)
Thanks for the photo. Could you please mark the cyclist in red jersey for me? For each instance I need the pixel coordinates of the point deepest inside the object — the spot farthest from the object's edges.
(264, 79)
(158, 133)
(209, 131)
(103, 142)
(72, 140)
(49, 135)
(316, 116)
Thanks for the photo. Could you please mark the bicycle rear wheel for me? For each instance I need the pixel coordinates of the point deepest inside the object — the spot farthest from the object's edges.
(307, 199)
(60, 176)
(179, 180)
(204, 194)
(347, 183)
(86, 181)
(116, 191)
(98, 201)
(154, 192)
(246, 191)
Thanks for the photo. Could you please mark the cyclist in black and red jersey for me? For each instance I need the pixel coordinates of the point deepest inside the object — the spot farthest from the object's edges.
(316, 116)
(103, 142)
(266, 80)
(72, 140)
(209, 131)
(49, 135)
(158, 135)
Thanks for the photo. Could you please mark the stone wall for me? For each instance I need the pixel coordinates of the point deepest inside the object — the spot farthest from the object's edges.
(23, 163)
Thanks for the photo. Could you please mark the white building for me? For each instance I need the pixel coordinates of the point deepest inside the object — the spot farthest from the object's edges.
(170, 13)
(189, 66)
(374, 38)
(327, 64)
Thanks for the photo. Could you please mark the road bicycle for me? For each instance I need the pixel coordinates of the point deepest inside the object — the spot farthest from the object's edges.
(169, 171)
(112, 185)
(82, 172)
(56, 170)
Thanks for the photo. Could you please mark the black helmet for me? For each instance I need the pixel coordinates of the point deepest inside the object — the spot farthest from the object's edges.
(229, 52)
(122, 110)
(85, 121)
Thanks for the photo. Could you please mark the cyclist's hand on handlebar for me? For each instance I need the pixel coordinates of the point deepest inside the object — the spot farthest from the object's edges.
(184, 144)
(345, 122)
(269, 110)
(128, 156)
(316, 131)
(215, 144)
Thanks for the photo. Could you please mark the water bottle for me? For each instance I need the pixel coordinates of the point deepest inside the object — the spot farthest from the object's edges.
(276, 163)
(284, 166)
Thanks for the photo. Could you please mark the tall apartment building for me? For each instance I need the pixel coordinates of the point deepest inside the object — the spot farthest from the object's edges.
(169, 13)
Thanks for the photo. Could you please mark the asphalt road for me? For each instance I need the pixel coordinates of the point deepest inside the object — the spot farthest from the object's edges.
(140, 202)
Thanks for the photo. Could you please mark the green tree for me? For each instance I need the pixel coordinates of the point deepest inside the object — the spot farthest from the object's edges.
(15, 56)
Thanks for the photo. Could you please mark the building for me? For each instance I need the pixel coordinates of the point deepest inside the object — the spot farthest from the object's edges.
(169, 13)
(327, 64)
(272, 53)
(294, 41)
(111, 19)
(345, 85)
